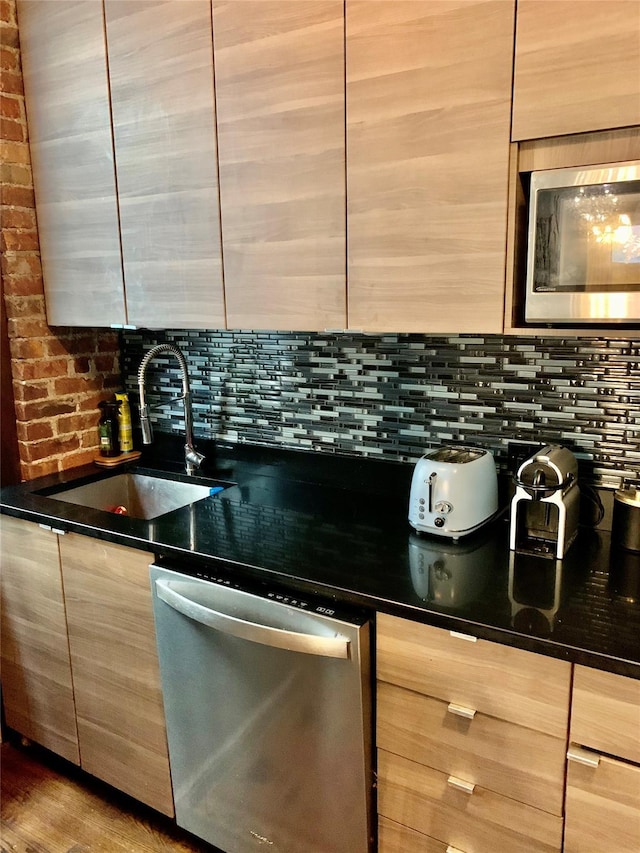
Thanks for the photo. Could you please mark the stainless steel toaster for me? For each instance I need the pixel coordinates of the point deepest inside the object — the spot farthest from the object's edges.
(454, 491)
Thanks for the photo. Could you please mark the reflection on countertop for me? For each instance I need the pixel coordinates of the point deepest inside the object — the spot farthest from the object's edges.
(624, 574)
(535, 586)
(452, 574)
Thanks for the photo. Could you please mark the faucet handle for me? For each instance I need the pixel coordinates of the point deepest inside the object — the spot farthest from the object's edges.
(193, 458)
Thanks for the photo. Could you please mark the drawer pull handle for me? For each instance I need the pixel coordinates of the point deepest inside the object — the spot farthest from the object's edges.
(461, 784)
(52, 529)
(461, 711)
(466, 637)
(583, 756)
(451, 849)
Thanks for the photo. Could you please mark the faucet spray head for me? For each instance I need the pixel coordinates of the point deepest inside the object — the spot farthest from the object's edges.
(145, 423)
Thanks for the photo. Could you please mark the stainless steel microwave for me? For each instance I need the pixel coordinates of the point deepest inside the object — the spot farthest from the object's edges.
(583, 248)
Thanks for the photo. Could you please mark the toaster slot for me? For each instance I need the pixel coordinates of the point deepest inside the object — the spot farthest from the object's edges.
(432, 489)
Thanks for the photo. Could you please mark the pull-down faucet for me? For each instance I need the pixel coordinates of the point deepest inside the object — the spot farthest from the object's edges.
(192, 458)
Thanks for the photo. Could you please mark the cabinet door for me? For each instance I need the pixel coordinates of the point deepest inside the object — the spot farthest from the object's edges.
(478, 748)
(478, 820)
(395, 838)
(428, 115)
(161, 71)
(605, 713)
(577, 67)
(67, 96)
(280, 102)
(524, 688)
(602, 807)
(36, 672)
(116, 678)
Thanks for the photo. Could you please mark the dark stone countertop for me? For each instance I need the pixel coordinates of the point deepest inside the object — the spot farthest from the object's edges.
(337, 527)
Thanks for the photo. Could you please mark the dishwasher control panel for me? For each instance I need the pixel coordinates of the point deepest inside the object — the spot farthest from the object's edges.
(308, 603)
(282, 598)
(275, 596)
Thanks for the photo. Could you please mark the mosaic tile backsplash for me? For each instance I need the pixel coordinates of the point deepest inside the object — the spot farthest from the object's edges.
(396, 396)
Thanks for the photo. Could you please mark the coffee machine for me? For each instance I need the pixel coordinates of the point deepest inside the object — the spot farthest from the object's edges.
(546, 503)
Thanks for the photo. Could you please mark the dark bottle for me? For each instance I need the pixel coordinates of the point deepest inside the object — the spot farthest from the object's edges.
(108, 428)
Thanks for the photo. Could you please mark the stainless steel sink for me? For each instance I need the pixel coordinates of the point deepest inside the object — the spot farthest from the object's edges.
(140, 495)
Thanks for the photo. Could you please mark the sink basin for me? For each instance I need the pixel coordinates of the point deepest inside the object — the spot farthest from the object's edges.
(142, 496)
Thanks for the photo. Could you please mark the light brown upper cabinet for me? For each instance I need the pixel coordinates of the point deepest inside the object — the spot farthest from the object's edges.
(428, 120)
(67, 94)
(281, 142)
(161, 71)
(153, 204)
(577, 67)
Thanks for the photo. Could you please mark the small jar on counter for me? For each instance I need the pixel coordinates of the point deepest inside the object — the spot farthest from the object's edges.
(625, 529)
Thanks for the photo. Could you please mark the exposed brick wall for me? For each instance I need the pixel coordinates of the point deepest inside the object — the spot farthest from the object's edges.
(59, 374)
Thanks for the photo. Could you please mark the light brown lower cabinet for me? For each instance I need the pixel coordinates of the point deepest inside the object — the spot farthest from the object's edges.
(472, 739)
(605, 714)
(395, 838)
(477, 820)
(37, 689)
(511, 760)
(602, 809)
(602, 806)
(121, 728)
(79, 665)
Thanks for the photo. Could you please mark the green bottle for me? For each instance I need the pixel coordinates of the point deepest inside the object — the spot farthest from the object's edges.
(108, 428)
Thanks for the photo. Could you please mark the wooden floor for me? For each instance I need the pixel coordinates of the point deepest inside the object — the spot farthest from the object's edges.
(49, 806)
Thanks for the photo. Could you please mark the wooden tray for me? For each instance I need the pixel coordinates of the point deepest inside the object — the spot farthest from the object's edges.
(113, 461)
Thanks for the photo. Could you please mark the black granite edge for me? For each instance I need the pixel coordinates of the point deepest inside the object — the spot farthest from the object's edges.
(344, 595)
(131, 539)
(515, 639)
(20, 501)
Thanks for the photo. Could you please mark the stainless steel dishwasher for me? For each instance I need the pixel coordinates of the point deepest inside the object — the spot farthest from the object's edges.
(268, 704)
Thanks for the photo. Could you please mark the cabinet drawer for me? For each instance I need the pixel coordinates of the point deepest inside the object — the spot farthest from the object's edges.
(511, 760)
(395, 838)
(603, 807)
(606, 712)
(510, 684)
(482, 821)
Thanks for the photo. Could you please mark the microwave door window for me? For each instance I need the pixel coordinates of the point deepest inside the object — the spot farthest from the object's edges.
(588, 238)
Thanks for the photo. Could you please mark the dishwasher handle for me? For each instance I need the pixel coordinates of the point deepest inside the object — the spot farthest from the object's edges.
(331, 647)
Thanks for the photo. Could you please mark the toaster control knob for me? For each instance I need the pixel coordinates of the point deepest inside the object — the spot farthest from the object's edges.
(439, 521)
(444, 507)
